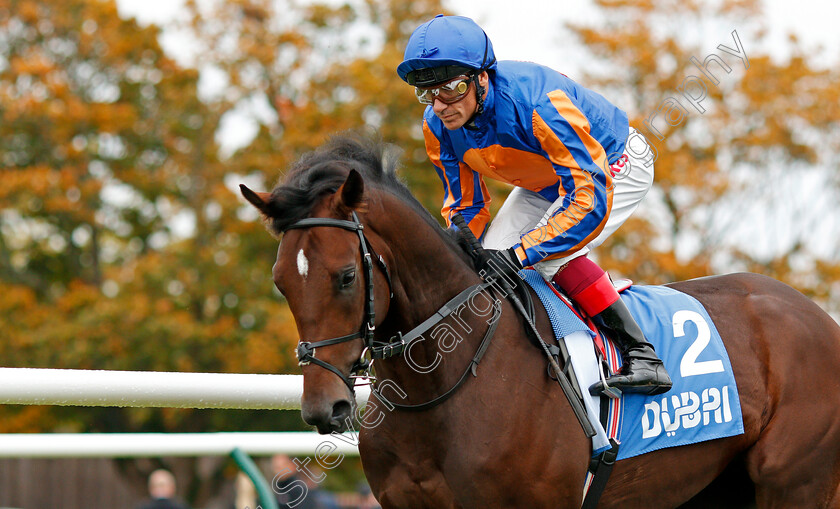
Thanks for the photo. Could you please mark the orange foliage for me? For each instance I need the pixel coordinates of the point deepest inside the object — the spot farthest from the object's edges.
(723, 155)
(124, 243)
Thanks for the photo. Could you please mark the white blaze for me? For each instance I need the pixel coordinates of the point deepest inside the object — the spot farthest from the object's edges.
(302, 264)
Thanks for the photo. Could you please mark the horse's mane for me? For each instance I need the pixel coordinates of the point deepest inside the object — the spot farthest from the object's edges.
(323, 170)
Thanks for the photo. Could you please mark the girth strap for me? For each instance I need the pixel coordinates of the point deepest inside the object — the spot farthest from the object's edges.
(601, 468)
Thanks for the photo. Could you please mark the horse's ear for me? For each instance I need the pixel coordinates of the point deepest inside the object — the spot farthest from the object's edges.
(259, 200)
(350, 196)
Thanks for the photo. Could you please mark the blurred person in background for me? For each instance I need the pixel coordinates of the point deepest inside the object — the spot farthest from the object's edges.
(246, 493)
(322, 498)
(162, 490)
(290, 485)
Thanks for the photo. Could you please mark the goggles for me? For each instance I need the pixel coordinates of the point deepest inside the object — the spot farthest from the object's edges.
(450, 92)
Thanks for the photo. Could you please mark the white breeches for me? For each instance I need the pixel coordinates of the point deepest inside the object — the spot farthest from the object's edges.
(526, 210)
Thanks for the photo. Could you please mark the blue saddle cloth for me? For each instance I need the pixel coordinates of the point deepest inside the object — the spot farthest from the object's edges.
(703, 403)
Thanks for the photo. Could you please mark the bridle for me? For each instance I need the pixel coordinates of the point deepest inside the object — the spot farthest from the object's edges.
(306, 349)
(400, 342)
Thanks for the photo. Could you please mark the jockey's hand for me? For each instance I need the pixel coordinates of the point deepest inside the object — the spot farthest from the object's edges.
(502, 262)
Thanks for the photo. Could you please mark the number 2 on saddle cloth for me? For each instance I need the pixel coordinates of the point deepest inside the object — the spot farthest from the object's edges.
(703, 403)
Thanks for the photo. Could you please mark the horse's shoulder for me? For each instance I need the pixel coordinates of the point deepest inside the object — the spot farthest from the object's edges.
(399, 473)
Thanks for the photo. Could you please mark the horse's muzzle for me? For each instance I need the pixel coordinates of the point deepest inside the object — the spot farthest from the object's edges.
(327, 418)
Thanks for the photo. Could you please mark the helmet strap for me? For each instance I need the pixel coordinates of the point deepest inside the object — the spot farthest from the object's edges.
(479, 92)
(479, 99)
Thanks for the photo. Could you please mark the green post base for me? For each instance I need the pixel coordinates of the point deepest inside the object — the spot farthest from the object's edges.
(247, 465)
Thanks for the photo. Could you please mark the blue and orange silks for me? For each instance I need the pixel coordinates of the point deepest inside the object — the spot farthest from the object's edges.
(540, 131)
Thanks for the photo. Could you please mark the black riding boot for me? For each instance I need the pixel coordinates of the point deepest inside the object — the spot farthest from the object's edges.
(641, 370)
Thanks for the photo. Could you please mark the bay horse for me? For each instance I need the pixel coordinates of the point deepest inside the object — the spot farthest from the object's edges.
(508, 437)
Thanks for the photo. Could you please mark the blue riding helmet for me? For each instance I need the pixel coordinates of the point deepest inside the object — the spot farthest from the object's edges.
(444, 48)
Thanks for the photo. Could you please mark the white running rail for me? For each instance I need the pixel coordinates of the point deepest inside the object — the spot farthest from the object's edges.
(77, 387)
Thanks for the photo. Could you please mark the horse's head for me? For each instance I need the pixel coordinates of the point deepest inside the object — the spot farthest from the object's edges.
(336, 292)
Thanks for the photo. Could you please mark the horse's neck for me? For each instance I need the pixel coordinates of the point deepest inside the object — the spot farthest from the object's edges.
(428, 273)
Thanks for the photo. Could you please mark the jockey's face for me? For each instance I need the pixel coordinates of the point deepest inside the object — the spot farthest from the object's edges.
(455, 115)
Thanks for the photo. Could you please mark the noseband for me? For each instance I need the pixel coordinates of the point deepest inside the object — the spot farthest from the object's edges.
(306, 349)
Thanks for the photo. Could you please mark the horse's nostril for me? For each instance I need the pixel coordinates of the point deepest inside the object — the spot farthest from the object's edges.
(341, 411)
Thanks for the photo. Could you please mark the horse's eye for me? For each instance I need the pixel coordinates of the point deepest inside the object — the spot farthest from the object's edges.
(347, 279)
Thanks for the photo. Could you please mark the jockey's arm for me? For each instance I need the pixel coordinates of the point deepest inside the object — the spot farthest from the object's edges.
(464, 190)
(563, 133)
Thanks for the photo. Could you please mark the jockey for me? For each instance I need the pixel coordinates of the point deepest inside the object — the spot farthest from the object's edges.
(564, 148)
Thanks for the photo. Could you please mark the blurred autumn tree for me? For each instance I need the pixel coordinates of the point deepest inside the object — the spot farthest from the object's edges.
(303, 74)
(122, 244)
(743, 176)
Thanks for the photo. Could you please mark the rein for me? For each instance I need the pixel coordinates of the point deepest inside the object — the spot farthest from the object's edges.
(442, 313)
(398, 343)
